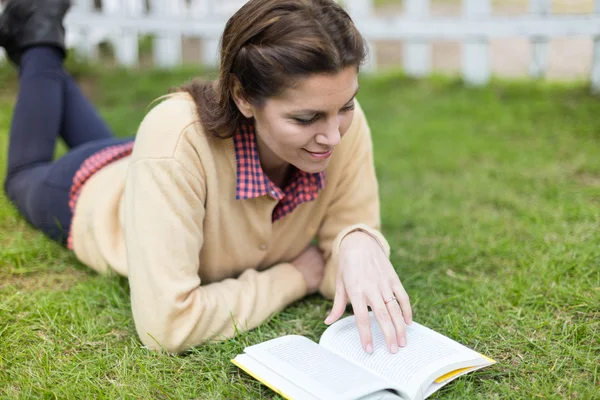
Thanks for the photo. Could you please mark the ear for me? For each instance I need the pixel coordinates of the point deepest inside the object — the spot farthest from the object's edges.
(240, 100)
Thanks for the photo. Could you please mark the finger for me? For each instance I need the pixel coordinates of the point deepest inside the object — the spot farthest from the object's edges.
(382, 315)
(404, 302)
(363, 323)
(339, 304)
(398, 322)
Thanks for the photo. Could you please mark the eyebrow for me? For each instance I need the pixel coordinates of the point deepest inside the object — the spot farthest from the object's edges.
(307, 111)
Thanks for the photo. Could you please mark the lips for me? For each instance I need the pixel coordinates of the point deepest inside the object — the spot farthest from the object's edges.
(320, 155)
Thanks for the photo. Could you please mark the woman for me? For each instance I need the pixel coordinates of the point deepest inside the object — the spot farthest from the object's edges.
(212, 213)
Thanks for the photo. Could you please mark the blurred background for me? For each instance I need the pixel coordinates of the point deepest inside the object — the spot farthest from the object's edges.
(476, 38)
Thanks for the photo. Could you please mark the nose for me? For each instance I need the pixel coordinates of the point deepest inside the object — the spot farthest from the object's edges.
(330, 136)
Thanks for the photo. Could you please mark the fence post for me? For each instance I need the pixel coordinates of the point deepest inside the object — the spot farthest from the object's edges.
(210, 45)
(363, 9)
(595, 79)
(475, 53)
(417, 53)
(85, 44)
(128, 47)
(126, 39)
(539, 45)
(167, 45)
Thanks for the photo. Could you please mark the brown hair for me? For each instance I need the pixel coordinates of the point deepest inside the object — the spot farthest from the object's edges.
(267, 45)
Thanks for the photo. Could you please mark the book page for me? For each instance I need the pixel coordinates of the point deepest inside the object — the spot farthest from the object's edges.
(321, 373)
(427, 355)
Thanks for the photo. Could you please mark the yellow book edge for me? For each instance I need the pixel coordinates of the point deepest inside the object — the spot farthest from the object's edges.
(452, 374)
(261, 380)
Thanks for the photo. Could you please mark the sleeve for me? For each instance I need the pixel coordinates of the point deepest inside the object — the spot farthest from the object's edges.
(164, 205)
(355, 204)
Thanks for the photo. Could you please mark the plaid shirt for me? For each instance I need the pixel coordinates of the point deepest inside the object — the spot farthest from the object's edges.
(252, 181)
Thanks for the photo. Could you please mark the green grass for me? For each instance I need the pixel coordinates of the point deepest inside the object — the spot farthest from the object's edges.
(490, 200)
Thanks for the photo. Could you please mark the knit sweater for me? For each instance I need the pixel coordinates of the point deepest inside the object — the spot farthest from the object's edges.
(200, 263)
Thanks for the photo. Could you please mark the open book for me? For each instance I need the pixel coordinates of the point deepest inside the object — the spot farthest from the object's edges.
(338, 367)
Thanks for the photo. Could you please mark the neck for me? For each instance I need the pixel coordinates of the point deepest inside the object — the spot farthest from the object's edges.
(274, 167)
(278, 175)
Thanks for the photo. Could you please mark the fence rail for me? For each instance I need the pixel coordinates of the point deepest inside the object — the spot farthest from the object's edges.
(122, 22)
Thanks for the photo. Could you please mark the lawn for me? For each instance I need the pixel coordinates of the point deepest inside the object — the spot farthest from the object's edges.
(490, 201)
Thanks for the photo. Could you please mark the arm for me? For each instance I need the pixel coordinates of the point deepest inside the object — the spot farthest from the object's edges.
(164, 205)
(358, 268)
(355, 206)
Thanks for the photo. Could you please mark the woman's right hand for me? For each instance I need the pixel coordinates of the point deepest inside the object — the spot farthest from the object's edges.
(311, 265)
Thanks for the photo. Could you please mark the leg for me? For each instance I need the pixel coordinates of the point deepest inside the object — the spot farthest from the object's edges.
(49, 103)
(37, 116)
(81, 122)
(38, 187)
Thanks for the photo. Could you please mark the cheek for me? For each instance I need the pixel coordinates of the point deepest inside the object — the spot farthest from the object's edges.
(298, 136)
(287, 136)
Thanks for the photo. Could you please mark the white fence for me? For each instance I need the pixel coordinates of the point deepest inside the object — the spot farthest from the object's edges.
(122, 22)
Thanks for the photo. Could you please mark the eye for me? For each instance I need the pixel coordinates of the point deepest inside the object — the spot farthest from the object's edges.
(348, 108)
(302, 121)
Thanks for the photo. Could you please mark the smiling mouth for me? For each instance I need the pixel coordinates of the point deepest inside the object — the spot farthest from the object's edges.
(320, 155)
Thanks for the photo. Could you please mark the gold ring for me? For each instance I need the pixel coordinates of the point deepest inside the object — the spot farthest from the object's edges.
(390, 299)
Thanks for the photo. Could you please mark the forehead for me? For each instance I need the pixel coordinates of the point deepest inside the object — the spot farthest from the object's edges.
(321, 91)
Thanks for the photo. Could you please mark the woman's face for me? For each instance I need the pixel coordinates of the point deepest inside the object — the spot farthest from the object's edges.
(304, 124)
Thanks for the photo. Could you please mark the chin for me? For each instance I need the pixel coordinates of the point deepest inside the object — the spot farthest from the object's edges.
(312, 168)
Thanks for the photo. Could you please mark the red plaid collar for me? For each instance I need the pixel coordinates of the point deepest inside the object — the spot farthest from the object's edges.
(253, 182)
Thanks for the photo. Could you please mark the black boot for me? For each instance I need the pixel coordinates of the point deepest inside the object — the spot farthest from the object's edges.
(14, 16)
(31, 23)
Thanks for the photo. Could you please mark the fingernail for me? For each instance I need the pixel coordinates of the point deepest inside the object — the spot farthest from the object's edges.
(394, 348)
(369, 348)
(402, 342)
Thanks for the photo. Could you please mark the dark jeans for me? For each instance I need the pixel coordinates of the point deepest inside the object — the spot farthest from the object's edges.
(49, 106)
